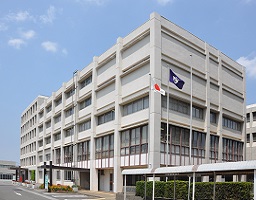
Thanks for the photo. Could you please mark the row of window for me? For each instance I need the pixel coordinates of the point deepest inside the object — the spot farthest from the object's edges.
(184, 108)
(68, 94)
(253, 137)
(135, 141)
(179, 144)
(248, 117)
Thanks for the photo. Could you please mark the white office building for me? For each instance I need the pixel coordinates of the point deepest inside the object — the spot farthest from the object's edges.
(107, 118)
(251, 132)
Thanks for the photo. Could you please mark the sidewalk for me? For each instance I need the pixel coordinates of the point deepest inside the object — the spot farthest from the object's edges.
(100, 194)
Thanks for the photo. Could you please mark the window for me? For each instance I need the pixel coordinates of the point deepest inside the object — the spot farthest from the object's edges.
(68, 154)
(58, 155)
(48, 124)
(106, 117)
(85, 82)
(134, 141)
(67, 175)
(57, 136)
(197, 112)
(232, 150)
(254, 137)
(40, 128)
(48, 140)
(40, 143)
(176, 105)
(248, 117)
(232, 124)
(70, 92)
(135, 106)
(69, 132)
(48, 108)
(83, 151)
(41, 114)
(105, 147)
(213, 117)
(58, 101)
(254, 116)
(84, 126)
(214, 147)
(58, 175)
(40, 158)
(85, 103)
(57, 118)
(47, 156)
(69, 112)
(248, 138)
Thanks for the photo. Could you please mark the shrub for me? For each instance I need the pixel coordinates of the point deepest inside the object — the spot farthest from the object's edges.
(203, 190)
(60, 188)
(41, 186)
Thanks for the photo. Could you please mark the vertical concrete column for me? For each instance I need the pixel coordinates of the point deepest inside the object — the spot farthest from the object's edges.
(93, 171)
(155, 98)
(118, 95)
(219, 128)
(207, 127)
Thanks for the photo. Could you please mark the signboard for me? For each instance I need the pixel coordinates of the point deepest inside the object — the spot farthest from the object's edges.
(46, 182)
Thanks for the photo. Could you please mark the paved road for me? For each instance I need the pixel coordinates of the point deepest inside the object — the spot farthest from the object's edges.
(11, 192)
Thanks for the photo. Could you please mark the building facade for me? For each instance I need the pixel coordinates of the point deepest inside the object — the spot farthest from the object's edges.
(5, 172)
(107, 118)
(251, 132)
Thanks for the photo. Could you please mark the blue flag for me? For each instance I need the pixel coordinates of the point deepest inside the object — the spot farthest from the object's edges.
(176, 80)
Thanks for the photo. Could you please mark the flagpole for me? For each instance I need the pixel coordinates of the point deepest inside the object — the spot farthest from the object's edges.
(167, 126)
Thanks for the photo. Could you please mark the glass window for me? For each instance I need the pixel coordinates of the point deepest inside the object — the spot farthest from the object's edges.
(232, 124)
(213, 117)
(106, 117)
(254, 137)
(248, 117)
(135, 106)
(254, 116)
(134, 141)
(248, 138)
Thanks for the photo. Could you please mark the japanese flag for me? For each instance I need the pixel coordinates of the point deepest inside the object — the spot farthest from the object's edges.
(157, 88)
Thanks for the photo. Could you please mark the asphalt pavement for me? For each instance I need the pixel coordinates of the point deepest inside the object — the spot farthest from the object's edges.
(17, 192)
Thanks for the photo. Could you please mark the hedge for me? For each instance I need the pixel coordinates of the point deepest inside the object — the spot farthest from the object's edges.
(203, 190)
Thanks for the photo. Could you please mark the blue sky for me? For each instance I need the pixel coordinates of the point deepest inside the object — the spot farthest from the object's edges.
(43, 42)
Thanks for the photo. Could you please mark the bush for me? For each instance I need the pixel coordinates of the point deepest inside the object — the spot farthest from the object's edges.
(60, 188)
(41, 186)
(203, 190)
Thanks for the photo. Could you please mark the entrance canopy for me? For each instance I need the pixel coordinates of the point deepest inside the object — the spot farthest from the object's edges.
(243, 167)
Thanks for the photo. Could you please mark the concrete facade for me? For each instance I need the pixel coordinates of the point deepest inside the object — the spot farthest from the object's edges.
(251, 132)
(5, 172)
(106, 118)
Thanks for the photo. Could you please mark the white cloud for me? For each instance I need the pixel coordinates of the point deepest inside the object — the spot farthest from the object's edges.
(250, 63)
(50, 46)
(164, 2)
(19, 16)
(28, 34)
(50, 16)
(3, 27)
(16, 43)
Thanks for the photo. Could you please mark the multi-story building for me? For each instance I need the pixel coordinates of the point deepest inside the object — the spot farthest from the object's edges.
(251, 132)
(106, 117)
(5, 172)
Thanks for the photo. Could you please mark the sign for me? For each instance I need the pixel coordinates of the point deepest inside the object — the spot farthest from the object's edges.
(46, 182)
